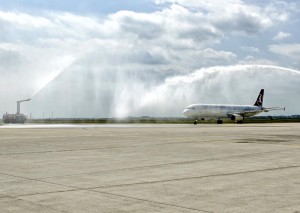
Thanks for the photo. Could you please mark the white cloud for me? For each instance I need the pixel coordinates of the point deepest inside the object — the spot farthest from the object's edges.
(229, 16)
(24, 20)
(289, 50)
(250, 49)
(210, 54)
(249, 59)
(281, 36)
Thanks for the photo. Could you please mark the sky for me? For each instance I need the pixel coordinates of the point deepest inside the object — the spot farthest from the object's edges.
(123, 58)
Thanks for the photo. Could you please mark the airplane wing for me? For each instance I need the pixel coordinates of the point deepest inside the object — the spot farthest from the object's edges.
(273, 108)
(249, 113)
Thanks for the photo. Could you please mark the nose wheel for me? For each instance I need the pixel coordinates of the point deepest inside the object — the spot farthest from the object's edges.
(195, 122)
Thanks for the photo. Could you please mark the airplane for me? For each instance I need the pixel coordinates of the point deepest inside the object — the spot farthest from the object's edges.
(236, 113)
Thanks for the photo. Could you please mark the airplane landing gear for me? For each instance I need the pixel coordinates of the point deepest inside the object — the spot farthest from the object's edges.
(195, 122)
(239, 122)
(219, 121)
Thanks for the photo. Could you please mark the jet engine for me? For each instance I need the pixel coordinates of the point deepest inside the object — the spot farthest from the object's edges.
(236, 117)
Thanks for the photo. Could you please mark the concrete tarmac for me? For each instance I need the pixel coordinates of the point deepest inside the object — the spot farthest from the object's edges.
(150, 168)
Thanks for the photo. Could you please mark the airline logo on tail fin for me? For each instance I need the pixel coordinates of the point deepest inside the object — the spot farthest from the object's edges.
(260, 99)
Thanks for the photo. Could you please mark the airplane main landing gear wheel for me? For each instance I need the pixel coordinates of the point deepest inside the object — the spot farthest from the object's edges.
(195, 122)
(239, 122)
(219, 121)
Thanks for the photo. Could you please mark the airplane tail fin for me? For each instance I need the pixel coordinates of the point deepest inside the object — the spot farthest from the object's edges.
(260, 98)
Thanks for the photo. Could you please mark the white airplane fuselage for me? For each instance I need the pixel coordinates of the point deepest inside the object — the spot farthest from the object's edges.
(198, 111)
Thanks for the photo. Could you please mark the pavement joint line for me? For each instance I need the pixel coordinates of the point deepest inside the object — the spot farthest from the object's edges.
(96, 148)
(118, 195)
(100, 148)
(27, 201)
(151, 201)
(74, 188)
(103, 148)
(198, 177)
(113, 194)
(93, 189)
(37, 180)
(64, 150)
(167, 164)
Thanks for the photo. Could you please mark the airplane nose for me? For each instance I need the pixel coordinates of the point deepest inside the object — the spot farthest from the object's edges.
(185, 112)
